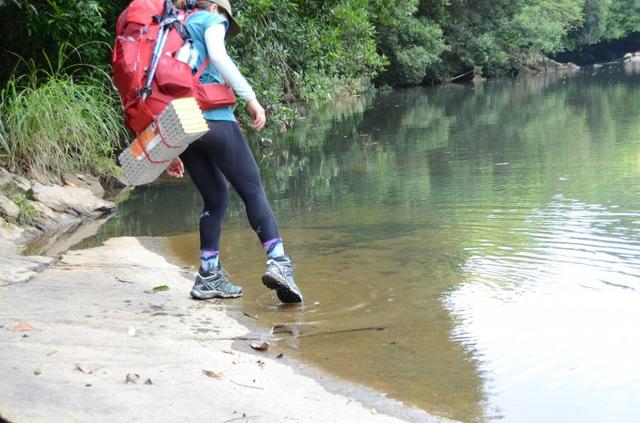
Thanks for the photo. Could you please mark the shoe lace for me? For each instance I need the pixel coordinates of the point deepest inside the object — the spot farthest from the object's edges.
(286, 268)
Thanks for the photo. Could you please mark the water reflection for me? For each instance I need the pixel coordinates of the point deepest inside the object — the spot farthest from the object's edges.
(482, 240)
(552, 320)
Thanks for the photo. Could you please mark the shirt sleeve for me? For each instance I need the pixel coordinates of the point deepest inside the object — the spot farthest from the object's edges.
(214, 39)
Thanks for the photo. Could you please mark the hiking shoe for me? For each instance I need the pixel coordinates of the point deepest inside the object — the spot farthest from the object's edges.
(214, 285)
(279, 276)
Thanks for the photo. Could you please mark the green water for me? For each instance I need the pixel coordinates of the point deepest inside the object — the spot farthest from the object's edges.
(473, 251)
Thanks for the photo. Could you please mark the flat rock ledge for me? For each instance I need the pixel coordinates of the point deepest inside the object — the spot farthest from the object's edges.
(89, 339)
(30, 210)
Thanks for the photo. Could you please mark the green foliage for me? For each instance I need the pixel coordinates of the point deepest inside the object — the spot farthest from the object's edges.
(412, 44)
(304, 50)
(54, 122)
(36, 29)
(623, 19)
(28, 213)
(490, 36)
(595, 22)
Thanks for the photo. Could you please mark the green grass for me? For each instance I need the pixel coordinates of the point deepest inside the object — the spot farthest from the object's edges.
(28, 213)
(54, 121)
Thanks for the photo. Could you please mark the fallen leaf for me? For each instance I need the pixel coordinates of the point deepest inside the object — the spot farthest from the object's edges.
(37, 371)
(280, 355)
(250, 315)
(132, 378)
(148, 381)
(87, 370)
(212, 374)
(49, 354)
(23, 327)
(260, 347)
(160, 288)
(261, 363)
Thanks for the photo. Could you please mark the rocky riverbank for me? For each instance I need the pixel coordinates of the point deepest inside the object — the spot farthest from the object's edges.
(110, 334)
(49, 214)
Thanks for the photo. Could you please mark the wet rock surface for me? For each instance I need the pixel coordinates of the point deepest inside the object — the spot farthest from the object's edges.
(53, 217)
(89, 339)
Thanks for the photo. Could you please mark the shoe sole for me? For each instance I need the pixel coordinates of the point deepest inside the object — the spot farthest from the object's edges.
(198, 295)
(282, 288)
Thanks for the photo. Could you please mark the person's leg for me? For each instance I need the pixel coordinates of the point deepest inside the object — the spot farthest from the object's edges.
(231, 153)
(213, 187)
(228, 148)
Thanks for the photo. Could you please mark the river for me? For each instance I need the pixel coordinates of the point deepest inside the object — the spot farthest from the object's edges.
(470, 250)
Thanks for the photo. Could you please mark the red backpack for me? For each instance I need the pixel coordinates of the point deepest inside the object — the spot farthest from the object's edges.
(145, 70)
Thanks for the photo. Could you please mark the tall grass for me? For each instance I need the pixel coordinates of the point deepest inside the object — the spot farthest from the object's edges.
(59, 120)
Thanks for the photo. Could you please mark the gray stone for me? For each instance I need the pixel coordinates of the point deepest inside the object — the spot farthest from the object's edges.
(5, 177)
(631, 58)
(15, 268)
(84, 181)
(49, 220)
(538, 63)
(22, 184)
(73, 200)
(10, 232)
(8, 208)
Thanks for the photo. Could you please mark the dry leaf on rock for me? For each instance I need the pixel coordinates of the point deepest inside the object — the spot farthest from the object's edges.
(84, 368)
(148, 381)
(212, 374)
(37, 371)
(132, 378)
(260, 347)
(23, 327)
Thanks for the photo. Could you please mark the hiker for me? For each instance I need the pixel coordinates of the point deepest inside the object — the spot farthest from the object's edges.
(222, 155)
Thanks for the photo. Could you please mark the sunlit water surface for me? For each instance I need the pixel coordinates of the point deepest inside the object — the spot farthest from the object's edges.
(474, 251)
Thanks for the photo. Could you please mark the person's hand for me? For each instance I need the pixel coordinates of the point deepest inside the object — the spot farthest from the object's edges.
(176, 168)
(257, 113)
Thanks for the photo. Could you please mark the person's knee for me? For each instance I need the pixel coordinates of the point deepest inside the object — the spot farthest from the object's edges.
(217, 207)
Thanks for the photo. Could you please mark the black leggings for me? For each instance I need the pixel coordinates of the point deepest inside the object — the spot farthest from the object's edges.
(223, 154)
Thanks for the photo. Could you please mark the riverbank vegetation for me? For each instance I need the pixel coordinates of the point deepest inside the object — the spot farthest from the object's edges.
(290, 50)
